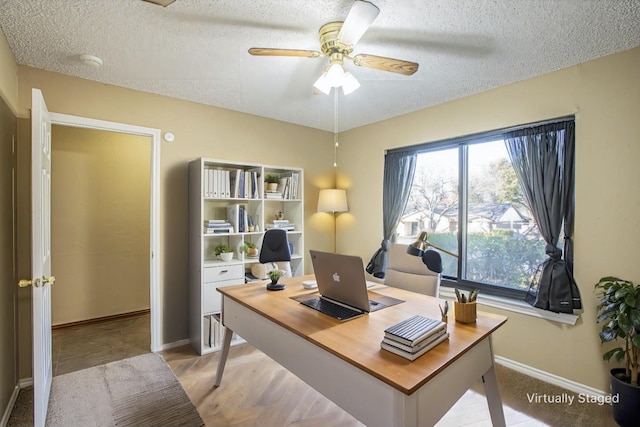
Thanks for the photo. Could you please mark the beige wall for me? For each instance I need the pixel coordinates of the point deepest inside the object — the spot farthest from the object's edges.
(100, 223)
(8, 288)
(8, 75)
(8, 278)
(605, 97)
(200, 131)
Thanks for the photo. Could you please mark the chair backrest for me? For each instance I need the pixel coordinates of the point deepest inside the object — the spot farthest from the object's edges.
(275, 249)
(409, 272)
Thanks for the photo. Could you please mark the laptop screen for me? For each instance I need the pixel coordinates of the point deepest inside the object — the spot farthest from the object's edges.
(341, 278)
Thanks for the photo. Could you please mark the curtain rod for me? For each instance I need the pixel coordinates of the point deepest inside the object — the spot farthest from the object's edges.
(480, 136)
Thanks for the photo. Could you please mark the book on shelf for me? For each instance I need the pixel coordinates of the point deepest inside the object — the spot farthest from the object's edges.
(288, 226)
(238, 218)
(415, 354)
(273, 195)
(414, 329)
(216, 223)
(289, 186)
(218, 230)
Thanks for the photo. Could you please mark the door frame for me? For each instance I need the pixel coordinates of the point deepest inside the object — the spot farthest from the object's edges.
(155, 302)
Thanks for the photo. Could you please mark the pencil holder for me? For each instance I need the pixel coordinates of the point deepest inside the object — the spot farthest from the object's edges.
(465, 311)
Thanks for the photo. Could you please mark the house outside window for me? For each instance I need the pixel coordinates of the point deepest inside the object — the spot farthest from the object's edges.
(474, 182)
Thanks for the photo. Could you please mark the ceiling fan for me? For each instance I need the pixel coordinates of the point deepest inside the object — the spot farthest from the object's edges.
(337, 40)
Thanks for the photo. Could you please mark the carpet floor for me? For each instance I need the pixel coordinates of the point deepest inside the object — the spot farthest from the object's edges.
(139, 391)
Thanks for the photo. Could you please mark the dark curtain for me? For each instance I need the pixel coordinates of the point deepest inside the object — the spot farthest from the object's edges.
(398, 177)
(543, 158)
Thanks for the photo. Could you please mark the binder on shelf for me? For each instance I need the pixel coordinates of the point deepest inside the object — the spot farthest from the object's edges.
(237, 217)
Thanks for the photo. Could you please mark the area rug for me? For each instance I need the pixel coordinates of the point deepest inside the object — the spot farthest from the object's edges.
(139, 391)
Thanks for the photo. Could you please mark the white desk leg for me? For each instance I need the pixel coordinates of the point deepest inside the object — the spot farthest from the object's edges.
(493, 397)
(228, 334)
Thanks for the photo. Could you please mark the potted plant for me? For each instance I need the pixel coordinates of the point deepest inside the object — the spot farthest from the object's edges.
(272, 182)
(275, 275)
(250, 249)
(223, 251)
(619, 311)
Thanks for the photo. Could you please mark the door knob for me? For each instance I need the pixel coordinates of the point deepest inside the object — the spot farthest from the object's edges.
(23, 283)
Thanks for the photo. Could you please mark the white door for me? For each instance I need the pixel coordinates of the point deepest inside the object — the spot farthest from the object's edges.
(41, 255)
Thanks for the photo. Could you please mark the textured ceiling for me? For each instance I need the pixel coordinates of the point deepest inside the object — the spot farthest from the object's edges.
(197, 50)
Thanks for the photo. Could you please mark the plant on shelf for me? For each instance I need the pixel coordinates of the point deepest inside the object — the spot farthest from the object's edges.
(249, 248)
(619, 311)
(223, 251)
(272, 182)
(272, 179)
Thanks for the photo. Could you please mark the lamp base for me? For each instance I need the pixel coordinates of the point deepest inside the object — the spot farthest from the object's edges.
(275, 286)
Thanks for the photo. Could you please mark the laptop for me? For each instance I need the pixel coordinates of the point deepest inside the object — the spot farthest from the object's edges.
(342, 287)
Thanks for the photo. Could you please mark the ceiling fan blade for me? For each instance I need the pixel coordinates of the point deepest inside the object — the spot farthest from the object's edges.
(261, 51)
(386, 64)
(360, 17)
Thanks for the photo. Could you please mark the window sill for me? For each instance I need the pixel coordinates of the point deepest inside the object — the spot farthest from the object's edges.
(520, 307)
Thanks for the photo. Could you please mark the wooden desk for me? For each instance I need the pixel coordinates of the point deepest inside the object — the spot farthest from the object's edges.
(344, 361)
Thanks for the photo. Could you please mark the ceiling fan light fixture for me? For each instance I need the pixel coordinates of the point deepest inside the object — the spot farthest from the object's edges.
(350, 83)
(322, 84)
(335, 75)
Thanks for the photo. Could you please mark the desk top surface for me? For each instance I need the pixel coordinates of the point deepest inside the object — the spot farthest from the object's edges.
(357, 341)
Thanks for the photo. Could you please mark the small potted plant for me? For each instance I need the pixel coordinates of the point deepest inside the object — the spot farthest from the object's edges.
(223, 251)
(272, 182)
(619, 312)
(250, 249)
(275, 275)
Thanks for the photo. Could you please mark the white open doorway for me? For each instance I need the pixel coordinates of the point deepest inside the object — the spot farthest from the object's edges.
(154, 135)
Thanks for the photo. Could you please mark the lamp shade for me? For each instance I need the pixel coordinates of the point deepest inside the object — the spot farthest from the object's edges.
(331, 200)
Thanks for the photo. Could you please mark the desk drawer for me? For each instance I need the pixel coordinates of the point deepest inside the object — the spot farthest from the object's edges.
(223, 272)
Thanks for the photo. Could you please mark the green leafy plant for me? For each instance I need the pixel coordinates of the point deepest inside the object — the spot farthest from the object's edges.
(272, 179)
(249, 248)
(619, 311)
(246, 246)
(274, 275)
(222, 248)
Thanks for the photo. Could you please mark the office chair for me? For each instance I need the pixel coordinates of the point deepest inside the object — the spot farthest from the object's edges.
(275, 251)
(409, 272)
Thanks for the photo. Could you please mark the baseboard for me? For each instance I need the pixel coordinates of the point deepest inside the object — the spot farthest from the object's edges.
(25, 382)
(9, 408)
(119, 316)
(549, 378)
(174, 344)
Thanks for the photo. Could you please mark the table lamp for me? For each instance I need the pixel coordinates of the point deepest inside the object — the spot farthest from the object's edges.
(430, 258)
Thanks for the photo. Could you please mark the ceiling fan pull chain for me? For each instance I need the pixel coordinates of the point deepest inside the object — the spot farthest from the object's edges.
(335, 127)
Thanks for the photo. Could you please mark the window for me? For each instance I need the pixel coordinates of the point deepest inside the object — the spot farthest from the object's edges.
(466, 194)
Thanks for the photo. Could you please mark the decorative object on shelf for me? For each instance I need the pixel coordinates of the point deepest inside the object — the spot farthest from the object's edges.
(279, 215)
(223, 251)
(275, 275)
(619, 311)
(465, 307)
(272, 182)
(250, 249)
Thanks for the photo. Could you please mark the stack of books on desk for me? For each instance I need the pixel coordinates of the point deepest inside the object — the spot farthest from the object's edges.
(414, 336)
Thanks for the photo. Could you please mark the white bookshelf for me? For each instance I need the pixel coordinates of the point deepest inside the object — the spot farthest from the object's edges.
(212, 191)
